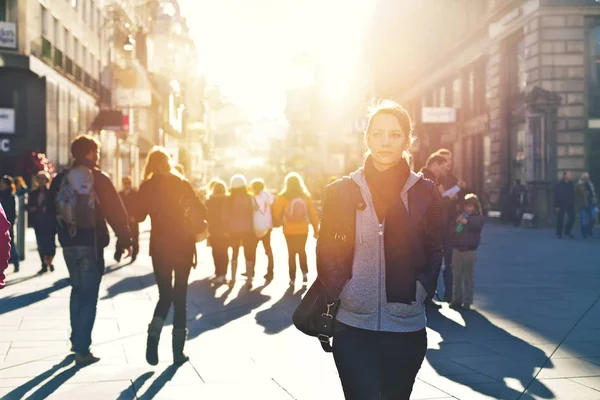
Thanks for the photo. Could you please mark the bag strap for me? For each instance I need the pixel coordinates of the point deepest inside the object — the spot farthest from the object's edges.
(326, 343)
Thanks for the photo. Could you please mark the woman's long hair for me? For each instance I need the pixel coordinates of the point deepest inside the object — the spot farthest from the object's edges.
(218, 189)
(10, 184)
(157, 162)
(293, 186)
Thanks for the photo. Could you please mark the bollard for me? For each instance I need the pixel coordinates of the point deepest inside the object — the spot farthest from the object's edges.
(21, 226)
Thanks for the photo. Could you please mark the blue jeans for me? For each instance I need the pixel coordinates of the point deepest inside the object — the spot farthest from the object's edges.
(86, 266)
(586, 220)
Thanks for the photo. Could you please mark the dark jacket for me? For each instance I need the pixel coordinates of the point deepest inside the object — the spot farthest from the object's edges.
(8, 201)
(240, 212)
(160, 197)
(217, 216)
(470, 237)
(335, 245)
(4, 245)
(108, 208)
(582, 198)
(130, 201)
(427, 174)
(564, 195)
(39, 215)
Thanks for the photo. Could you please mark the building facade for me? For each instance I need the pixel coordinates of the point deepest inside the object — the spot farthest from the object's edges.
(522, 76)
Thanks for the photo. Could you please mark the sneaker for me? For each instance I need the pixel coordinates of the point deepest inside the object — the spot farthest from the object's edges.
(86, 360)
(305, 278)
(455, 306)
(43, 270)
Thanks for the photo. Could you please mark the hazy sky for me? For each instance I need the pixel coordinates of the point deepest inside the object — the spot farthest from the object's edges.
(245, 46)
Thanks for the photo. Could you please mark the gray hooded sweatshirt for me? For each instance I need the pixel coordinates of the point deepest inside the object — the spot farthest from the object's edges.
(363, 302)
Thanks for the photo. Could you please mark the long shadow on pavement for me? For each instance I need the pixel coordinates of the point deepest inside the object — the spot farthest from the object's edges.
(214, 314)
(130, 284)
(484, 341)
(158, 383)
(13, 303)
(130, 392)
(49, 387)
(279, 316)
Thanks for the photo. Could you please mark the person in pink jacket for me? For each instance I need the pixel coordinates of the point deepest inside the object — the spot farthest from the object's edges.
(4, 245)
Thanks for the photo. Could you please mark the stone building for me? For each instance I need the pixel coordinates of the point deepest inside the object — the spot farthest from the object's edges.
(522, 76)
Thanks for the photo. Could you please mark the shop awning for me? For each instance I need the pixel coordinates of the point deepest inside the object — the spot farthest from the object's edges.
(109, 120)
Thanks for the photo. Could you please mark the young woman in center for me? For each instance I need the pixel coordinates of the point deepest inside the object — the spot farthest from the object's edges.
(379, 252)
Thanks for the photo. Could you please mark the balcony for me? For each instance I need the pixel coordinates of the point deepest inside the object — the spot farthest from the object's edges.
(58, 58)
(69, 66)
(47, 49)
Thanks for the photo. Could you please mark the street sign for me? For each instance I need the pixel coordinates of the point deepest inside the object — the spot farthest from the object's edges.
(8, 35)
(438, 115)
(7, 120)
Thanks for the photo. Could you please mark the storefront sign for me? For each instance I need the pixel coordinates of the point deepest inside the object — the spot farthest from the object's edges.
(7, 120)
(4, 145)
(438, 115)
(8, 35)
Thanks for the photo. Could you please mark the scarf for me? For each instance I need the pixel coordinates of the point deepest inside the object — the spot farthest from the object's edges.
(386, 189)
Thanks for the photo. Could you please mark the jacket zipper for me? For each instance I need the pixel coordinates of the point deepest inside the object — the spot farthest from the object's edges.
(379, 280)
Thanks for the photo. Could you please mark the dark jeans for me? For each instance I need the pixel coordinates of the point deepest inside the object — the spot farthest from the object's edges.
(220, 246)
(570, 213)
(171, 293)
(15, 257)
(135, 243)
(86, 266)
(249, 241)
(266, 241)
(45, 244)
(448, 279)
(296, 244)
(378, 365)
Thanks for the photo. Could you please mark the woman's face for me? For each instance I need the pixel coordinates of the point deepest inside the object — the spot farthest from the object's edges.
(386, 141)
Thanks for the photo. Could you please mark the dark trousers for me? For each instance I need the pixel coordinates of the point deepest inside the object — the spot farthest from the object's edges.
(45, 244)
(135, 242)
(296, 245)
(168, 293)
(266, 241)
(15, 257)
(378, 365)
(560, 222)
(586, 219)
(249, 241)
(448, 278)
(220, 247)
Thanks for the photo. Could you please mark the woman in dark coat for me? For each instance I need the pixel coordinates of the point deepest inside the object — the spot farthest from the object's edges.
(8, 201)
(42, 221)
(217, 228)
(379, 252)
(172, 205)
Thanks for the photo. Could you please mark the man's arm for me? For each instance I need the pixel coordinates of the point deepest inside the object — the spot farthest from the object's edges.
(113, 208)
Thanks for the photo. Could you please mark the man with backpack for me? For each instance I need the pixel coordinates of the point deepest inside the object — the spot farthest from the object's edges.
(83, 198)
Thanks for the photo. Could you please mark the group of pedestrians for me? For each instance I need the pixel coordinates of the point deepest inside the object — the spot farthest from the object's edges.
(575, 197)
(244, 215)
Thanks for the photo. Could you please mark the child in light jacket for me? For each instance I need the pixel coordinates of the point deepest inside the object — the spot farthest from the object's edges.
(465, 241)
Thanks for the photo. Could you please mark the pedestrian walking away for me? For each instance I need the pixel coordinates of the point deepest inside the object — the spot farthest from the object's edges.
(379, 252)
(240, 226)
(465, 241)
(585, 204)
(296, 211)
(263, 221)
(564, 203)
(217, 228)
(129, 196)
(83, 198)
(177, 216)
(4, 245)
(42, 220)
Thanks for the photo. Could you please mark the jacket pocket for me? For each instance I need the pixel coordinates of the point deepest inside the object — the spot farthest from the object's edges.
(408, 310)
(359, 297)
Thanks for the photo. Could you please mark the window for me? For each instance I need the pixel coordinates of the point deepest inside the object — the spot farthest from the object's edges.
(471, 91)
(74, 4)
(99, 21)
(69, 45)
(595, 52)
(64, 42)
(56, 28)
(443, 96)
(84, 59)
(3, 13)
(84, 11)
(434, 100)
(45, 29)
(456, 95)
(76, 51)
(92, 17)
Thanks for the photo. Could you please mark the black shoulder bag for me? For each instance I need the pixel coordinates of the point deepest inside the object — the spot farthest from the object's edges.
(315, 316)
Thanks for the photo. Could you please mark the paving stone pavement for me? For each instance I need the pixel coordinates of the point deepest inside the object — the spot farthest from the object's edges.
(534, 332)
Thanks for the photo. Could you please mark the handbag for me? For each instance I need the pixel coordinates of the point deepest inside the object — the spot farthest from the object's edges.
(315, 316)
